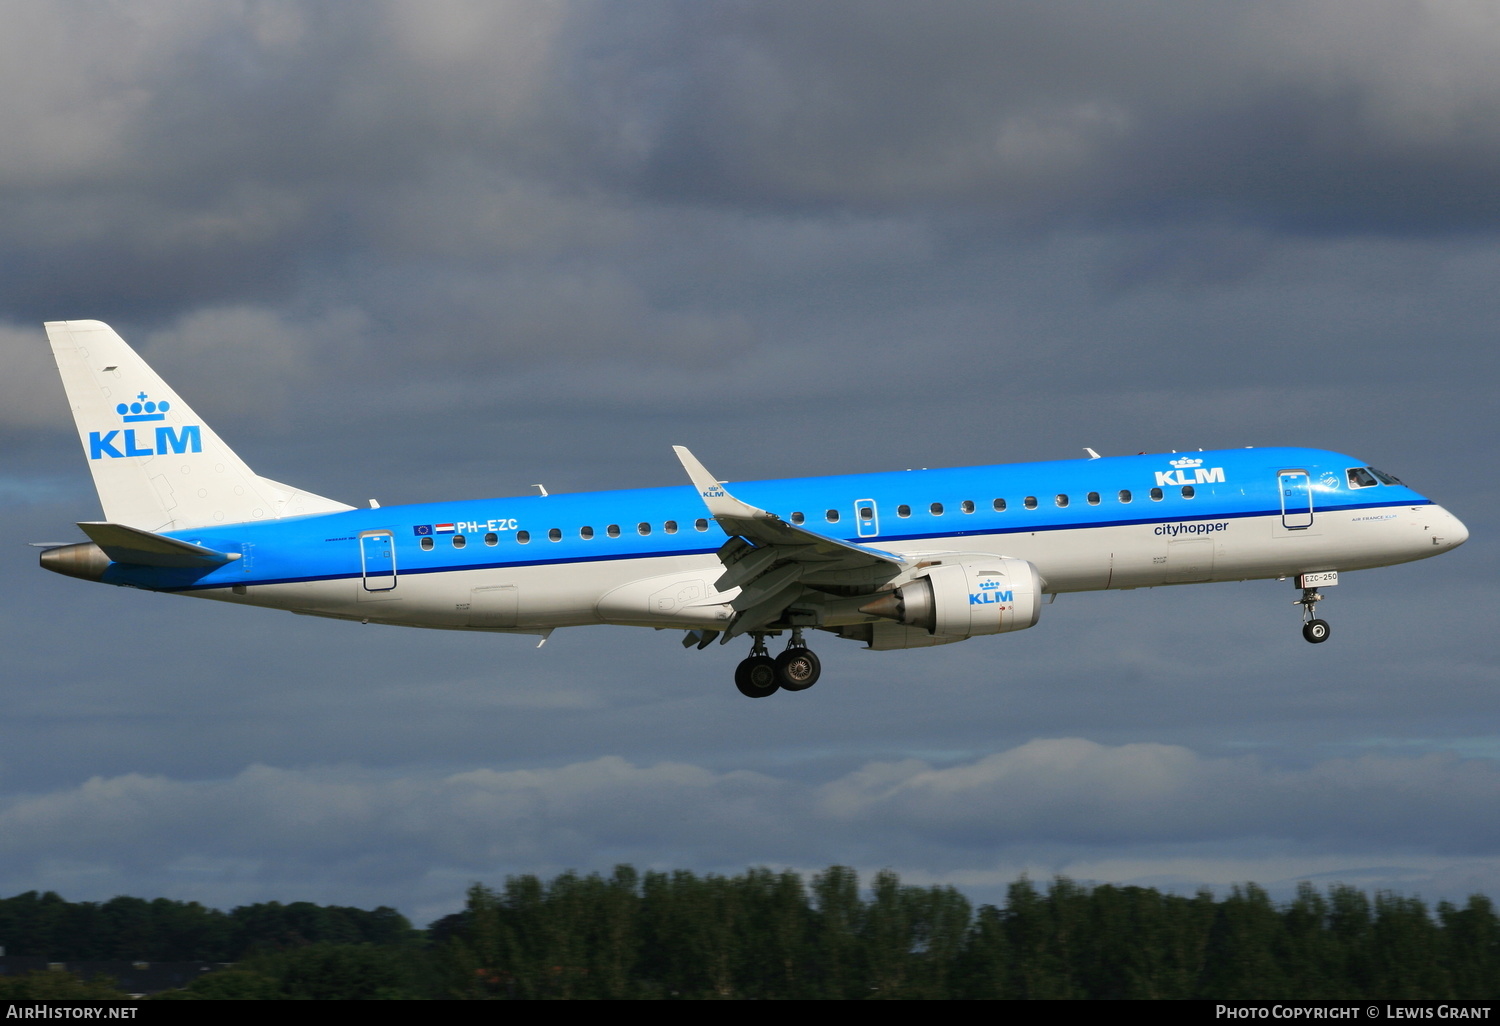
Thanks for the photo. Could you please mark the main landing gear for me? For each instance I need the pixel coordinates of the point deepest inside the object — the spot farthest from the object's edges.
(1313, 629)
(796, 669)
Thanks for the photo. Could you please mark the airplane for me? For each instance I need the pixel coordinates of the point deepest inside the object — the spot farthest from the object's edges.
(899, 560)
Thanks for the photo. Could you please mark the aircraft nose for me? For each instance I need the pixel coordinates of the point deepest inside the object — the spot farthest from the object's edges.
(1453, 533)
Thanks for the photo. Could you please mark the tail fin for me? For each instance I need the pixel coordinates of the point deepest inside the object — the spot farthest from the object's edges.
(156, 465)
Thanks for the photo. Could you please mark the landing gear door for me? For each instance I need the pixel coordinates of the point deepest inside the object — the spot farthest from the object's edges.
(867, 517)
(377, 560)
(1296, 499)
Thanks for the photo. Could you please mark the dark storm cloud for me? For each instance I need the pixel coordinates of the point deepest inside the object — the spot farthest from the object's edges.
(220, 150)
(225, 153)
(1283, 114)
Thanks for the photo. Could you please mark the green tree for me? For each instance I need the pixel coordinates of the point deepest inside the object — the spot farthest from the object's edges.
(56, 985)
(1471, 946)
(1245, 946)
(837, 924)
(228, 985)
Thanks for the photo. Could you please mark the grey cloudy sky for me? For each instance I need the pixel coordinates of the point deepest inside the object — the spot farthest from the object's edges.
(447, 250)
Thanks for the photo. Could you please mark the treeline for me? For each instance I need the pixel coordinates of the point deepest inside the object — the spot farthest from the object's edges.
(136, 930)
(770, 935)
(765, 934)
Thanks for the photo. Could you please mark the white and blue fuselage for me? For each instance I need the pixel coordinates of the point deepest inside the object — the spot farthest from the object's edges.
(1087, 525)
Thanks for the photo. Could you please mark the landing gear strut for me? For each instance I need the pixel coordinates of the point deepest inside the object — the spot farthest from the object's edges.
(796, 669)
(1313, 629)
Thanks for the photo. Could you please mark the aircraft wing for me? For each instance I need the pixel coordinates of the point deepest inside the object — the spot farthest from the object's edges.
(770, 560)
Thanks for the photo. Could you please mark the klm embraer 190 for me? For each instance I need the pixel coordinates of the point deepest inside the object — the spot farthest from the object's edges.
(895, 560)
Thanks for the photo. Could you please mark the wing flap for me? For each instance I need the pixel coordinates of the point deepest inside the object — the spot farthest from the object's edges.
(768, 558)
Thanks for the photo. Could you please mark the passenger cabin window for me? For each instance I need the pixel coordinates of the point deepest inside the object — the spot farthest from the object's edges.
(936, 509)
(903, 511)
(555, 534)
(1156, 495)
(643, 529)
(700, 524)
(492, 539)
(459, 541)
(426, 544)
(585, 533)
(613, 530)
(999, 505)
(967, 506)
(1093, 498)
(1030, 502)
(1124, 494)
(522, 537)
(670, 527)
(1188, 491)
(1062, 502)
(1359, 477)
(833, 516)
(798, 518)
(867, 513)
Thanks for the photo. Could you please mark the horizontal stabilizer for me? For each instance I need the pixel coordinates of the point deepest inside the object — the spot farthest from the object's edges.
(131, 545)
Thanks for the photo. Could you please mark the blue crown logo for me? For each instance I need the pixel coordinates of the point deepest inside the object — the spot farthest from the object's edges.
(142, 409)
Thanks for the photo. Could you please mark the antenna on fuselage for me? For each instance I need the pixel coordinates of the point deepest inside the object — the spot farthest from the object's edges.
(540, 488)
(1092, 454)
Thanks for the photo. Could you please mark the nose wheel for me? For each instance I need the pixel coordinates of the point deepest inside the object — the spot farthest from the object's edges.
(796, 669)
(1314, 630)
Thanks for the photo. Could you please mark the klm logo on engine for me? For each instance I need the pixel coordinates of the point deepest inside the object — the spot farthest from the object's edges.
(1189, 471)
(123, 442)
(991, 593)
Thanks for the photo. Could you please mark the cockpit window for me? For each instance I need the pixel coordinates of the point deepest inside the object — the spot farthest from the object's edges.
(1360, 477)
(1386, 478)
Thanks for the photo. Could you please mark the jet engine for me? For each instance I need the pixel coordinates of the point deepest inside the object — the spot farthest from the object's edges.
(966, 597)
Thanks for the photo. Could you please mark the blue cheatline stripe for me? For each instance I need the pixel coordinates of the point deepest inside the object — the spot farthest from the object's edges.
(408, 571)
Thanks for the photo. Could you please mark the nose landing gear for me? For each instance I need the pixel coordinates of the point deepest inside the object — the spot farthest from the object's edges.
(1313, 629)
(796, 669)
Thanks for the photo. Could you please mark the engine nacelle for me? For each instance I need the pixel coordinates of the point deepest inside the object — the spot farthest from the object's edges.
(966, 597)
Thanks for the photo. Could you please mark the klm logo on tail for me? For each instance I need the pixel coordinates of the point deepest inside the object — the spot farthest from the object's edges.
(107, 444)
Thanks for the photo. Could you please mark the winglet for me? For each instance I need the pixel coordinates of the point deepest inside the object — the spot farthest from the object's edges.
(719, 502)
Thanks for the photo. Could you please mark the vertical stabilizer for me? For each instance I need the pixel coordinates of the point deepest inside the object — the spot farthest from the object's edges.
(156, 465)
